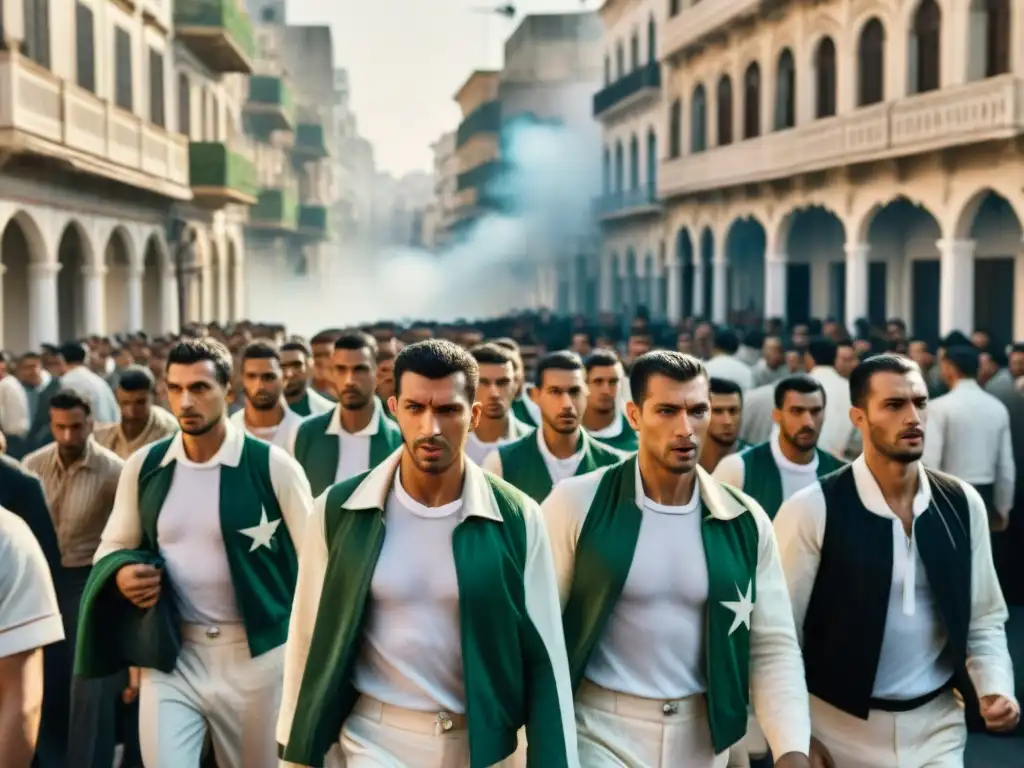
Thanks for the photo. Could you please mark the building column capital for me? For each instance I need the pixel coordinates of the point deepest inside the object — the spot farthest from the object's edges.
(857, 250)
(956, 248)
(774, 258)
(94, 271)
(39, 269)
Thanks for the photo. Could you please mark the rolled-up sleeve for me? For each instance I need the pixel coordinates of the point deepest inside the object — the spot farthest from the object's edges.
(124, 526)
(293, 494)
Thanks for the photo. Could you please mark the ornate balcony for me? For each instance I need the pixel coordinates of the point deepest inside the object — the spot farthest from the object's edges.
(269, 106)
(641, 201)
(40, 114)
(221, 174)
(310, 143)
(218, 32)
(626, 94)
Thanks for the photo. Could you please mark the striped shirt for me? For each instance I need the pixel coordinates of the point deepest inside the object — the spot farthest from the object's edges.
(80, 497)
(161, 424)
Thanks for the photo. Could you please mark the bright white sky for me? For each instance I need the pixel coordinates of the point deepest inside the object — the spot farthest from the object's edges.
(407, 58)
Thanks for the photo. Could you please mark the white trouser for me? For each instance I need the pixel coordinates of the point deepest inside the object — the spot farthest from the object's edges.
(620, 731)
(218, 685)
(932, 736)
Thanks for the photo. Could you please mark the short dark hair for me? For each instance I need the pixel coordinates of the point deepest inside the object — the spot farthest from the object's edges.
(720, 386)
(356, 340)
(966, 359)
(662, 362)
(601, 358)
(800, 383)
(69, 399)
(507, 343)
(562, 360)
(491, 354)
(261, 349)
(726, 340)
(861, 375)
(73, 352)
(822, 350)
(136, 378)
(998, 356)
(437, 359)
(326, 336)
(297, 345)
(754, 338)
(201, 350)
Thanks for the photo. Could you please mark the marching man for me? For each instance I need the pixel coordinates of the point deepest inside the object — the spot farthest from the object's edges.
(894, 592)
(675, 606)
(202, 538)
(426, 627)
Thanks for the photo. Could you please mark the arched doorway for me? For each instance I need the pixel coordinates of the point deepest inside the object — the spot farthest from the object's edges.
(16, 253)
(233, 278)
(152, 288)
(903, 267)
(685, 260)
(70, 294)
(996, 232)
(816, 265)
(745, 243)
(117, 257)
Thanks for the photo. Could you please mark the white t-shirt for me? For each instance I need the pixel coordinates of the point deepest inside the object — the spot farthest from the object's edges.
(29, 616)
(412, 651)
(795, 477)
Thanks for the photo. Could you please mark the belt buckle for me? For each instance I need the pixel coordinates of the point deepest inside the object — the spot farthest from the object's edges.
(444, 721)
(670, 708)
(213, 632)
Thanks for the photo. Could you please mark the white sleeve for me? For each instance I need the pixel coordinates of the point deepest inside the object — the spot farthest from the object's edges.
(124, 526)
(800, 530)
(1006, 474)
(934, 437)
(293, 493)
(564, 521)
(14, 410)
(492, 463)
(312, 570)
(29, 615)
(730, 471)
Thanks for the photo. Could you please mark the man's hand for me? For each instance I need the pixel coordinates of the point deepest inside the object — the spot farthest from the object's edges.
(140, 584)
(793, 760)
(131, 693)
(1000, 713)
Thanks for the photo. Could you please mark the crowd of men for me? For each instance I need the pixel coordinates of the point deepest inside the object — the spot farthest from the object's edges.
(524, 541)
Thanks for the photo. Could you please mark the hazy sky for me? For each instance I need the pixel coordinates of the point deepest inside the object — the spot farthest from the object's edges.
(407, 58)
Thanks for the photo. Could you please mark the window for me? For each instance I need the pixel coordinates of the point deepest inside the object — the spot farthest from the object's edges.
(634, 164)
(618, 166)
(652, 41)
(157, 102)
(606, 171)
(785, 92)
(85, 48)
(673, 7)
(204, 109)
(215, 110)
(652, 163)
(871, 64)
(620, 60)
(724, 98)
(825, 77)
(675, 129)
(699, 120)
(634, 53)
(122, 69)
(607, 70)
(925, 48)
(36, 45)
(998, 28)
(752, 101)
(184, 105)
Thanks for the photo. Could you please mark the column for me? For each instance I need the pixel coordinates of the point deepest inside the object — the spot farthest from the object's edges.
(720, 286)
(775, 285)
(135, 320)
(674, 275)
(169, 302)
(606, 281)
(93, 276)
(956, 286)
(43, 327)
(699, 275)
(856, 282)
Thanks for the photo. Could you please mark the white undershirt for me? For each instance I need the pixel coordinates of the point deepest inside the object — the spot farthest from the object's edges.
(612, 430)
(653, 644)
(558, 469)
(192, 544)
(795, 477)
(411, 656)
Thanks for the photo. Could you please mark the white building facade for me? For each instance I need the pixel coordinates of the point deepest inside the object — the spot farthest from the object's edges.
(851, 158)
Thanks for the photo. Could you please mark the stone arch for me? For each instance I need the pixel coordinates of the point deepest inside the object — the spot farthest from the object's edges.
(154, 259)
(811, 239)
(21, 245)
(744, 245)
(685, 255)
(880, 9)
(120, 259)
(965, 209)
(75, 256)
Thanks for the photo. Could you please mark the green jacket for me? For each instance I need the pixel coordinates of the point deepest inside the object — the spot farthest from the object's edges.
(513, 651)
(523, 466)
(522, 413)
(319, 451)
(626, 441)
(761, 478)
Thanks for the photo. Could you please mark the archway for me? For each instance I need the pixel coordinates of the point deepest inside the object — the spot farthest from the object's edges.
(233, 278)
(707, 259)
(996, 232)
(745, 243)
(16, 253)
(903, 267)
(117, 257)
(71, 256)
(685, 260)
(816, 265)
(152, 288)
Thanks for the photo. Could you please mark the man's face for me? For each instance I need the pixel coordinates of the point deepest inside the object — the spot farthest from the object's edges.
(322, 354)
(672, 421)
(894, 416)
(830, 329)
(354, 376)
(638, 344)
(124, 358)
(494, 393)
(726, 413)
(981, 339)
(921, 355)
(846, 360)
(562, 399)
(773, 351)
(195, 396)
(684, 343)
(800, 419)
(386, 378)
(1017, 364)
(987, 368)
(435, 417)
(263, 382)
(603, 382)
(295, 369)
(581, 344)
(70, 428)
(894, 332)
(30, 372)
(135, 405)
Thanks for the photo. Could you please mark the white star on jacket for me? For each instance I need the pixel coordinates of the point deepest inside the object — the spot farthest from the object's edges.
(261, 534)
(742, 608)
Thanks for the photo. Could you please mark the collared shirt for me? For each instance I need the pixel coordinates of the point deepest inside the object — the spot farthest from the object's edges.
(159, 425)
(912, 662)
(968, 436)
(99, 394)
(15, 417)
(281, 434)
(80, 497)
(478, 450)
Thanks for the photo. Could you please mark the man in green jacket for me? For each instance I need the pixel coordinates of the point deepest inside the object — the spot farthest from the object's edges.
(604, 419)
(676, 612)
(431, 645)
(560, 447)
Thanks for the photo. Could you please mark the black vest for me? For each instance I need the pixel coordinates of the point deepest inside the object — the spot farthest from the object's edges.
(846, 614)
